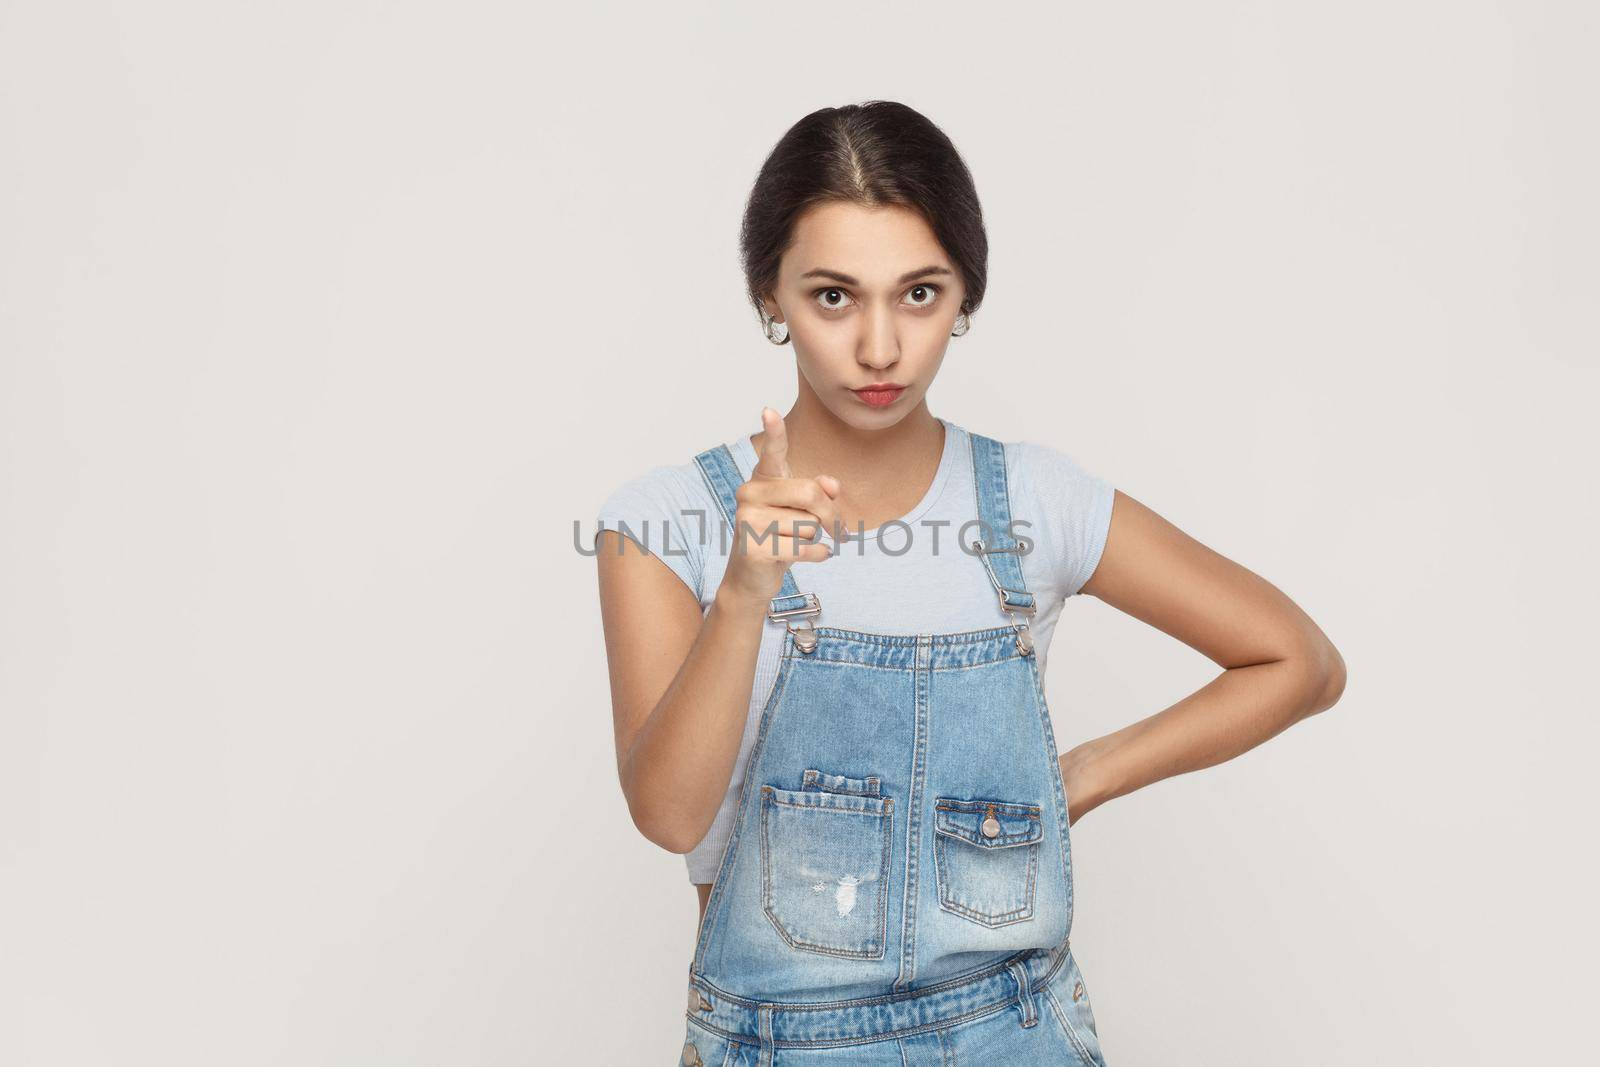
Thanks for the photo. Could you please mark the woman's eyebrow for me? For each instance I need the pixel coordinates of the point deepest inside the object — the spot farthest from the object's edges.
(840, 276)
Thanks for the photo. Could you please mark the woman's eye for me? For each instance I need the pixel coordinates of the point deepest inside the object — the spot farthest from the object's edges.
(918, 296)
(832, 299)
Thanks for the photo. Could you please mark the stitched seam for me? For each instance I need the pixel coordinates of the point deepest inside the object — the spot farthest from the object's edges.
(1040, 985)
(874, 637)
(814, 658)
(1066, 1025)
(828, 803)
(976, 1013)
(911, 887)
(718, 881)
(1058, 785)
(955, 982)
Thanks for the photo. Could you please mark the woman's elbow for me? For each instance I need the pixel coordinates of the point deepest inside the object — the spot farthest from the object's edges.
(1327, 678)
(665, 835)
(664, 828)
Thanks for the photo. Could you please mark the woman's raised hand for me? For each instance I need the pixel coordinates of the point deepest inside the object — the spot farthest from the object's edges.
(780, 519)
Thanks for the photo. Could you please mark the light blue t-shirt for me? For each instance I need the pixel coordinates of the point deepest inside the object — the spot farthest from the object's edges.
(909, 576)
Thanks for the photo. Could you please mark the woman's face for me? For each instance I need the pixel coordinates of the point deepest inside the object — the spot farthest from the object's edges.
(870, 298)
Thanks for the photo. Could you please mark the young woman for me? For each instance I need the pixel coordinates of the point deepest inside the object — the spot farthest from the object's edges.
(827, 643)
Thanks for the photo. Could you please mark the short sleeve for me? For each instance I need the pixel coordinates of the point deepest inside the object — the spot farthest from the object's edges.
(1071, 508)
(665, 512)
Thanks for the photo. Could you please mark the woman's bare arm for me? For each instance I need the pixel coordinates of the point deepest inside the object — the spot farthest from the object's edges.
(680, 685)
(1280, 666)
(680, 689)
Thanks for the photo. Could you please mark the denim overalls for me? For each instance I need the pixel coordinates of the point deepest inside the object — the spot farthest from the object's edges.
(897, 885)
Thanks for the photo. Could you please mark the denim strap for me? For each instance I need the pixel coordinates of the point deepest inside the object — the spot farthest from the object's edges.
(1000, 551)
(721, 474)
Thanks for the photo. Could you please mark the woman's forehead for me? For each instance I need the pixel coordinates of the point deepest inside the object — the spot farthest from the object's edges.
(876, 245)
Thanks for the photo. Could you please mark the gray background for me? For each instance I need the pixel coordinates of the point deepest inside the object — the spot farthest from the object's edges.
(320, 324)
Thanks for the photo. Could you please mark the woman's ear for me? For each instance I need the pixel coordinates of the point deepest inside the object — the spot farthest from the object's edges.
(774, 312)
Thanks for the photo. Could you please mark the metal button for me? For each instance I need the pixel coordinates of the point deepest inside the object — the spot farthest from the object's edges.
(1077, 992)
(991, 826)
(691, 1055)
(698, 1001)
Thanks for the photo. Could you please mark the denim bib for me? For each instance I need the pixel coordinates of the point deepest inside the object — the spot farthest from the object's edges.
(897, 885)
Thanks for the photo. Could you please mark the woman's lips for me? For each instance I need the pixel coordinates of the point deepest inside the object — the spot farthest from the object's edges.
(879, 398)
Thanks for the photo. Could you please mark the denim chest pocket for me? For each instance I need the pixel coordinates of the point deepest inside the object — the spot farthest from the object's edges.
(825, 865)
(986, 855)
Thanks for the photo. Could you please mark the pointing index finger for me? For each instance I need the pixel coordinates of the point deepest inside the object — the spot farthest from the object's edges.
(774, 459)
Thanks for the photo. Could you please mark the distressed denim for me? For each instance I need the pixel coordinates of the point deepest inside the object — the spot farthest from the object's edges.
(897, 886)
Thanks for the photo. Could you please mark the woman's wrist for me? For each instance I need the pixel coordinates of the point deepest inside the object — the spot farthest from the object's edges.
(732, 601)
(1083, 774)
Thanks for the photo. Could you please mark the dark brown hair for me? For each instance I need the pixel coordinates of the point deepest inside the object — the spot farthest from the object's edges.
(874, 153)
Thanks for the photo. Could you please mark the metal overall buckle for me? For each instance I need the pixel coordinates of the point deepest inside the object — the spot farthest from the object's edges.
(805, 637)
(1023, 604)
